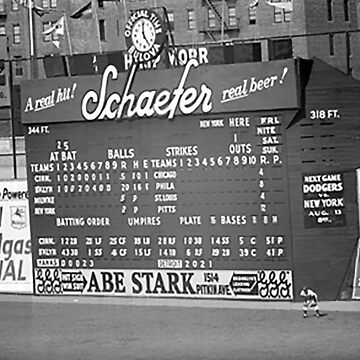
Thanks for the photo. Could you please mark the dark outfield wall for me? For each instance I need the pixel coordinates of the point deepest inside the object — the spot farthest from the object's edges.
(325, 142)
(316, 175)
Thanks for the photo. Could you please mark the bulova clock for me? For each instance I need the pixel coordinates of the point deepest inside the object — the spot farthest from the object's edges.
(144, 35)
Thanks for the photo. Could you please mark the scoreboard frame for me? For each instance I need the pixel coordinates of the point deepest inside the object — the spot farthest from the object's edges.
(246, 107)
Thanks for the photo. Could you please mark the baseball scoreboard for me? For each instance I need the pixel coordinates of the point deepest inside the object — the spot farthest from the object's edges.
(195, 206)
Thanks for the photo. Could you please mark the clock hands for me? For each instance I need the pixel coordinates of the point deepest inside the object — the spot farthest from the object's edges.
(143, 32)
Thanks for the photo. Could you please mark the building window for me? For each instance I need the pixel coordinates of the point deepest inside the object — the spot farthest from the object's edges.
(191, 19)
(280, 49)
(15, 5)
(331, 45)
(18, 66)
(2, 6)
(329, 10)
(102, 30)
(252, 16)
(16, 34)
(211, 19)
(287, 15)
(170, 14)
(2, 30)
(278, 15)
(53, 35)
(101, 3)
(46, 26)
(282, 15)
(2, 73)
(49, 4)
(232, 16)
(346, 10)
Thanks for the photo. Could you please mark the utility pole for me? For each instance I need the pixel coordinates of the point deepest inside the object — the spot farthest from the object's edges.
(32, 42)
(348, 54)
(222, 19)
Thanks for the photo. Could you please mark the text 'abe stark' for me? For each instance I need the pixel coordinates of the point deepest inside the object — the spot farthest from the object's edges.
(162, 102)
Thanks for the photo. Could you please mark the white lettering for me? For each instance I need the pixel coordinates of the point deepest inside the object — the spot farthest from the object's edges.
(148, 103)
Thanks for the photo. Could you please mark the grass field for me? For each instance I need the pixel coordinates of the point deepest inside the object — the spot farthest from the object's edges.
(51, 331)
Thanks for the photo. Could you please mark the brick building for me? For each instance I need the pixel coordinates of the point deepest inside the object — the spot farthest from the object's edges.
(326, 29)
(279, 32)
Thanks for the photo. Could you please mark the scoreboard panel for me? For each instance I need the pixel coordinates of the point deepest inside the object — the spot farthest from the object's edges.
(198, 193)
(162, 183)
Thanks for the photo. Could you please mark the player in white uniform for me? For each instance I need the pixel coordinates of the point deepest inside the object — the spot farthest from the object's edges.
(311, 301)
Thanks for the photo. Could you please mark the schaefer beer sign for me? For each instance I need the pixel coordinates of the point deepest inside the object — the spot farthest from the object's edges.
(167, 93)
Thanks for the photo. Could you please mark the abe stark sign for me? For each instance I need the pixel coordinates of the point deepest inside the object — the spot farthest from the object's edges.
(240, 284)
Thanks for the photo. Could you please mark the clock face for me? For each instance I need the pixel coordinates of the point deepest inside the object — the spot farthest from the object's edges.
(144, 35)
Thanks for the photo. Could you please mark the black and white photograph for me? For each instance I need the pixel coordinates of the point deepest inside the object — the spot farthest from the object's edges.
(179, 179)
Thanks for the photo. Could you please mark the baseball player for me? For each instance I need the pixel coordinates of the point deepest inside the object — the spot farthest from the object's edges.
(311, 301)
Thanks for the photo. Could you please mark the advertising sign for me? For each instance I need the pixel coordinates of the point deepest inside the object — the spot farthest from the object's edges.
(148, 200)
(4, 86)
(162, 93)
(323, 196)
(242, 284)
(15, 243)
